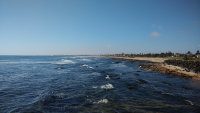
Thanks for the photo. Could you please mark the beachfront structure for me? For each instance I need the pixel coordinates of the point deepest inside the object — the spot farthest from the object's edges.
(122, 55)
(198, 56)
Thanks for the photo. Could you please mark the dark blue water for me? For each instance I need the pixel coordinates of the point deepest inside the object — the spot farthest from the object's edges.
(88, 84)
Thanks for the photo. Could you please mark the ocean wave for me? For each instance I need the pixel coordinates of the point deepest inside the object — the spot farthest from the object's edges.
(107, 86)
(101, 101)
(63, 61)
(107, 77)
(87, 66)
(85, 59)
(190, 102)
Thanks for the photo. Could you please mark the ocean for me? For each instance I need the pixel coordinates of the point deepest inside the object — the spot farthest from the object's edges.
(79, 84)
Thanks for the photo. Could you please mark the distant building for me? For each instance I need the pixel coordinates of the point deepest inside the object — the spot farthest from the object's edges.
(189, 55)
(176, 55)
(198, 56)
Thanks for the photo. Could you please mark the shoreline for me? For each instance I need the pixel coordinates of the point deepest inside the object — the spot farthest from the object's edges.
(159, 66)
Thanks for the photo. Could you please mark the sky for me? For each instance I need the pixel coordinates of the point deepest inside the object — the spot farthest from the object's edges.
(93, 27)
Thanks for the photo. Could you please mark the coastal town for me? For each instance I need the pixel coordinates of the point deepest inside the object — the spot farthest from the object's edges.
(162, 54)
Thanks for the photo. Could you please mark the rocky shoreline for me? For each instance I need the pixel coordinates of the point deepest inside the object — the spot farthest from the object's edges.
(159, 65)
(156, 67)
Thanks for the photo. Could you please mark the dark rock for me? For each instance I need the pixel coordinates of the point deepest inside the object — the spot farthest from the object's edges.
(142, 81)
(96, 66)
(137, 74)
(187, 70)
(166, 83)
(130, 87)
(132, 84)
(115, 75)
(124, 73)
(186, 87)
(138, 71)
(118, 78)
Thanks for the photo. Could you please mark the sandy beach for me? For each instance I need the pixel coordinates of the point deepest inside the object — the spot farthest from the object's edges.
(161, 67)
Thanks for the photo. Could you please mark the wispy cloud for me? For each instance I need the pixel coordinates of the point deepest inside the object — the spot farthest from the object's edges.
(160, 27)
(155, 34)
(153, 25)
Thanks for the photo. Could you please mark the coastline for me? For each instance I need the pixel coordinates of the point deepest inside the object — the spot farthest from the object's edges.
(159, 66)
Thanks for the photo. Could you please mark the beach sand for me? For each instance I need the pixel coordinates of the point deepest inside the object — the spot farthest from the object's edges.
(161, 67)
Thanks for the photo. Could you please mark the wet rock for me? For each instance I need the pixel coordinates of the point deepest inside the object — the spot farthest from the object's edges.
(124, 73)
(142, 81)
(187, 70)
(132, 84)
(103, 72)
(115, 75)
(138, 71)
(130, 87)
(186, 87)
(166, 83)
(118, 78)
(97, 66)
(137, 74)
(117, 62)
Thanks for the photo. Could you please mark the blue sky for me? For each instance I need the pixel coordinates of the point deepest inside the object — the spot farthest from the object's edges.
(55, 27)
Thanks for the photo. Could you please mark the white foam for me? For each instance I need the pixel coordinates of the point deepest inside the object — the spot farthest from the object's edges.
(87, 66)
(190, 102)
(63, 61)
(91, 67)
(85, 59)
(107, 77)
(101, 101)
(166, 93)
(107, 86)
(84, 65)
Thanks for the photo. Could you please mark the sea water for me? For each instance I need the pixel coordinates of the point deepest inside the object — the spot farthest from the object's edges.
(89, 84)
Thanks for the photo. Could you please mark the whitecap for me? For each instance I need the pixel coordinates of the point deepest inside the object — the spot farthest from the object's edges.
(101, 101)
(63, 61)
(91, 67)
(84, 65)
(107, 77)
(190, 102)
(85, 59)
(107, 86)
(166, 93)
(87, 66)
